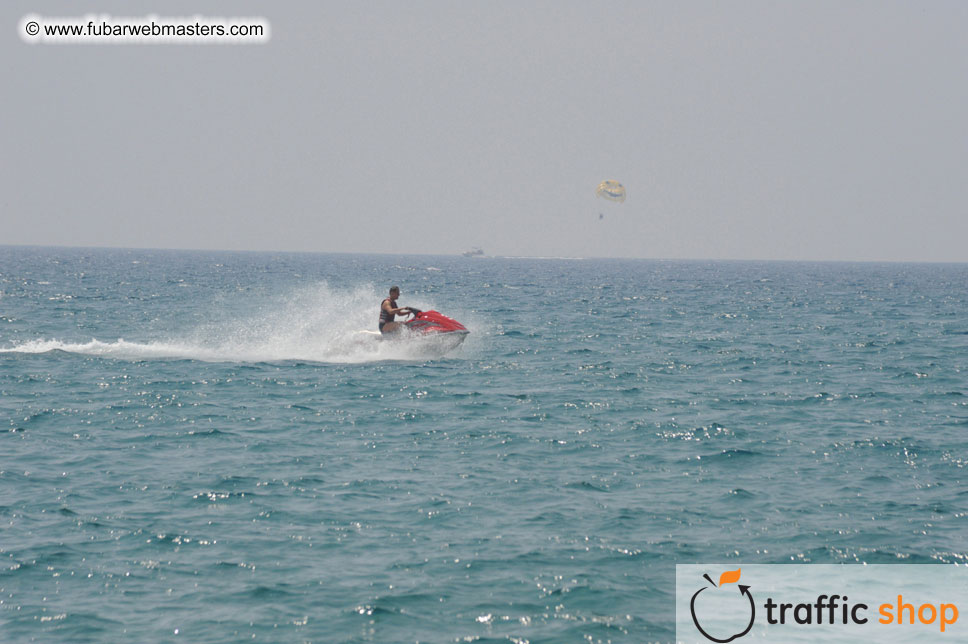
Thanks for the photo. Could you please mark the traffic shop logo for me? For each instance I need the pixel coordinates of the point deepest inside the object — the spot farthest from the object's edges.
(723, 599)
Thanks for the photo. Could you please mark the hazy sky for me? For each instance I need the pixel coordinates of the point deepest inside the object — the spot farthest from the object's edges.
(746, 130)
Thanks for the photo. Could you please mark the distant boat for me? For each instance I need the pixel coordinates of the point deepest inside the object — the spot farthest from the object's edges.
(474, 252)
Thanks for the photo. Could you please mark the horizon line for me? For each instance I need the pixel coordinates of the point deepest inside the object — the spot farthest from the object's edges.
(488, 256)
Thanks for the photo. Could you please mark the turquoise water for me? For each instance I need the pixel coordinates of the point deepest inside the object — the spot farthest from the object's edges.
(201, 447)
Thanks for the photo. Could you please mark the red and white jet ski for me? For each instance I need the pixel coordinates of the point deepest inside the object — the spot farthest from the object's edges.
(429, 329)
(430, 323)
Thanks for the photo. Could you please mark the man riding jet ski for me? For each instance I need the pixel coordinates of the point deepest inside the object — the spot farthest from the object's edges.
(423, 323)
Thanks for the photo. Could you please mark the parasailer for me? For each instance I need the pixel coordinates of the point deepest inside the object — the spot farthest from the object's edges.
(612, 191)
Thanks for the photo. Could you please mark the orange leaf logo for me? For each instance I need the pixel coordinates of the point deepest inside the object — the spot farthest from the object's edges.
(729, 577)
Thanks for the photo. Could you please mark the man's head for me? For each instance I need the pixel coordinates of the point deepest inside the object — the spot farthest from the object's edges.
(394, 291)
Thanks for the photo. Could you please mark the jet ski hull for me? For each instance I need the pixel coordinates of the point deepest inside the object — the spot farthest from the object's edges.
(435, 330)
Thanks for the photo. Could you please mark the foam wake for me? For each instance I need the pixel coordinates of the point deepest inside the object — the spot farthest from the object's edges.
(314, 324)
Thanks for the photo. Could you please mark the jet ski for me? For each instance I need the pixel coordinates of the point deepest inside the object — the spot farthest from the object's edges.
(429, 329)
(432, 328)
(428, 323)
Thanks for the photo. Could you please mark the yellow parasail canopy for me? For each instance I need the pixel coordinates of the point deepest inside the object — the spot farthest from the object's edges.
(611, 190)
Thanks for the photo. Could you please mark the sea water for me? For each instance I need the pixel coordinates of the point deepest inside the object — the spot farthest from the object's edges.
(202, 447)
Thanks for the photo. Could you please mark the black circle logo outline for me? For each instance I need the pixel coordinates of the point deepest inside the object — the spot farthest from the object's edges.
(692, 609)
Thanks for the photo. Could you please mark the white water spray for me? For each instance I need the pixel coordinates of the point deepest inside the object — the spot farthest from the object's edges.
(315, 324)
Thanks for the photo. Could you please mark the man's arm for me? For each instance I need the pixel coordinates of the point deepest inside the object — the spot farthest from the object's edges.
(400, 311)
